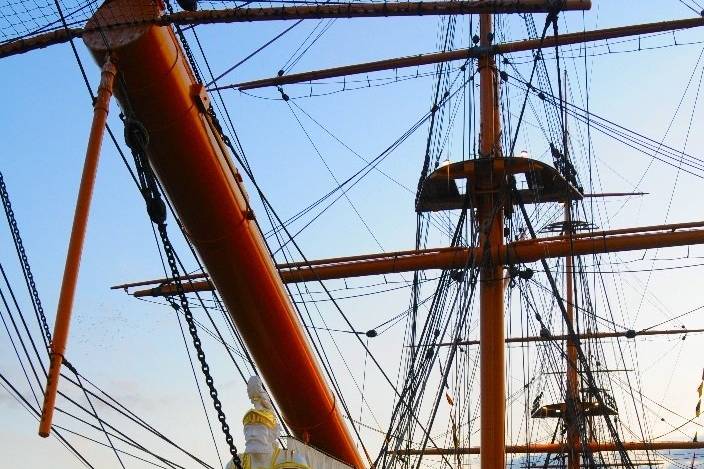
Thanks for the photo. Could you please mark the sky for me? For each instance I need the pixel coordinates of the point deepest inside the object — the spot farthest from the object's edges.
(134, 350)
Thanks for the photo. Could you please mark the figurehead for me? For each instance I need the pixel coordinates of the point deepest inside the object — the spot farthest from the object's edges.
(261, 432)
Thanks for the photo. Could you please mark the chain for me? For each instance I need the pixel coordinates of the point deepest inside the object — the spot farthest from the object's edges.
(194, 67)
(154, 201)
(171, 259)
(137, 138)
(26, 269)
(184, 43)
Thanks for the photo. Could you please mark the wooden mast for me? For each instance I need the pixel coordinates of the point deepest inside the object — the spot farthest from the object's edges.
(194, 165)
(490, 219)
(572, 398)
(101, 107)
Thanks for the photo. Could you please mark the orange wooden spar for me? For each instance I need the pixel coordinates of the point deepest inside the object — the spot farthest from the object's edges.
(472, 52)
(297, 12)
(626, 239)
(75, 246)
(195, 169)
(557, 448)
(629, 334)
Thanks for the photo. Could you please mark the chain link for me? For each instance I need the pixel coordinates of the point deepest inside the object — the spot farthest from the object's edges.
(137, 139)
(173, 266)
(185, 45)
(171, 256)
(194, 67)
(26, 269)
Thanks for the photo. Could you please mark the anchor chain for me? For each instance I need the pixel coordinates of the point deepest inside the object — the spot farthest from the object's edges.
(24, 260)
(137, 139)
(182, 38)
(188, 53)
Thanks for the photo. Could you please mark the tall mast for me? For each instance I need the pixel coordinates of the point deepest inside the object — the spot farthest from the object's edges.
(572, 398)
(491, 286)
(572, 387)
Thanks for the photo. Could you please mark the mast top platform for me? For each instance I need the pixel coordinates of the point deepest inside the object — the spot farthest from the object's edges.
(485, 175)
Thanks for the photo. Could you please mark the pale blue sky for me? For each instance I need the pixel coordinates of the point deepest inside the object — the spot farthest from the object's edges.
(134, 349)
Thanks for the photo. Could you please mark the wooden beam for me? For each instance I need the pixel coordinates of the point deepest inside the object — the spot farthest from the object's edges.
(372, 10)
(614, 194)
(67, 294)
(473, 52)
(297, 12)
(554, 448)
(670, 227)
(626, 239)
(214, 210)
(40, 41)
(158, 281)
(631, 334)
(532, 251)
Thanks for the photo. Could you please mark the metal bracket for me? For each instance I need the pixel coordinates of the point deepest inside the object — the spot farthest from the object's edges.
(200, 97)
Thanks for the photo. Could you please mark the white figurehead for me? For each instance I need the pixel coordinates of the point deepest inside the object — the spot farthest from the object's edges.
(260, 426)
(261, 431)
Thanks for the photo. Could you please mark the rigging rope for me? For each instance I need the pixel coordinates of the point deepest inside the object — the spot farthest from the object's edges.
(214, 81)
(44, 327)
(95, 414)
(573, 337)
(24, 261)
(35, 414)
